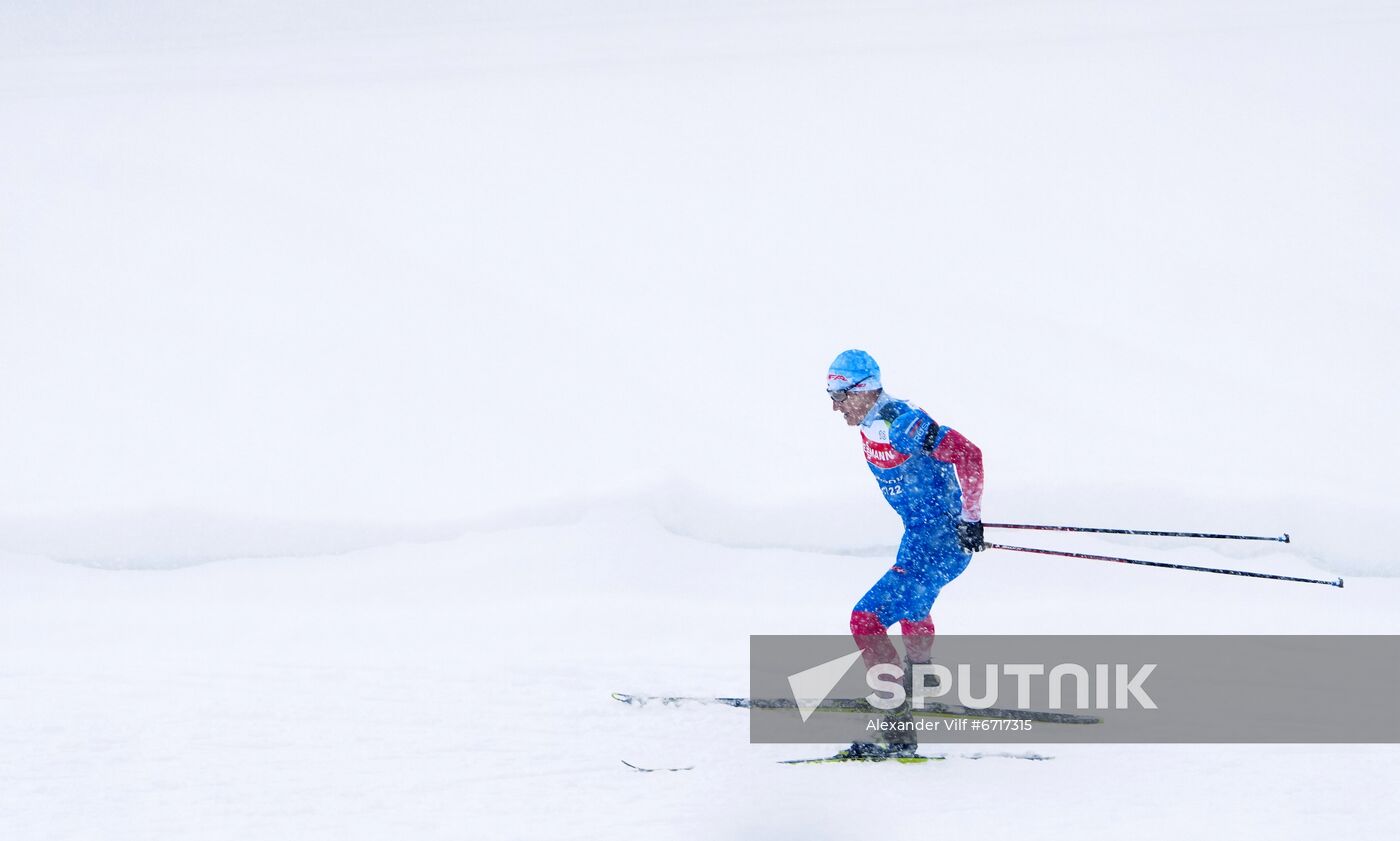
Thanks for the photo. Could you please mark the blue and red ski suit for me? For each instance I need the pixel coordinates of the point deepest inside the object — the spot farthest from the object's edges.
(932, 476)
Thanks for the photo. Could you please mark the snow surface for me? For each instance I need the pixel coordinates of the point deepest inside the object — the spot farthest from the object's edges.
(461, 689)
(368, 372)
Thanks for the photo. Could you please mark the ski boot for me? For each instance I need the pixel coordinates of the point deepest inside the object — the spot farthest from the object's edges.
(902, 739)
(894, 745)
(864, 750)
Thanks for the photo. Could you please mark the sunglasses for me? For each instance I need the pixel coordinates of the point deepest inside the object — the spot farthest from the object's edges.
(840, 396)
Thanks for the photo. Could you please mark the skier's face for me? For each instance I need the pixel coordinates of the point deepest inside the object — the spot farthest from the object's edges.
(854, 405)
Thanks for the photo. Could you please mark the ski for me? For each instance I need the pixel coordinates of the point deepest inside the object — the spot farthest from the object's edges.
(917, 759)
(903, 759)
(652, 770)
(860, 705)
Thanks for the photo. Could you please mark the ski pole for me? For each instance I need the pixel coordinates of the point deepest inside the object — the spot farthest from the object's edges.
(1337, 583)
(1283, 539)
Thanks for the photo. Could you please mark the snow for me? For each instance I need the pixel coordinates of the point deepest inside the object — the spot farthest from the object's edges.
(371, 373)
(462, 688)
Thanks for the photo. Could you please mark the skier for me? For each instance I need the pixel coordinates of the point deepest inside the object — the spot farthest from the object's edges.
(932, 476)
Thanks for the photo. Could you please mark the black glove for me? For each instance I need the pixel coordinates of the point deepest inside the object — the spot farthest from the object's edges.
(970, 536)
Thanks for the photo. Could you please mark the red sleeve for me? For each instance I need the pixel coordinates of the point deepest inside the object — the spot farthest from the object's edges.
(967, 459)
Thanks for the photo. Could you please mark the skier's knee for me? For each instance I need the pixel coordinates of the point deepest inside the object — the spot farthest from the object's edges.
(865, 624)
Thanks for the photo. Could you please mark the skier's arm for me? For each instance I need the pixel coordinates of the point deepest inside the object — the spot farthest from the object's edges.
(915, 431)
(966, 458)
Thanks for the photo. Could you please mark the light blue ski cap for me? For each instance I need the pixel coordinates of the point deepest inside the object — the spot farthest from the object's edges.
(853, 370)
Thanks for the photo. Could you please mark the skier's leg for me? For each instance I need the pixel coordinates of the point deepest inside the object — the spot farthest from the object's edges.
(918, 639)
(904, 594)
(933, 557)
(872, 639)
(882, 606)
(898, 596)
(918, 650)
(877, 649)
